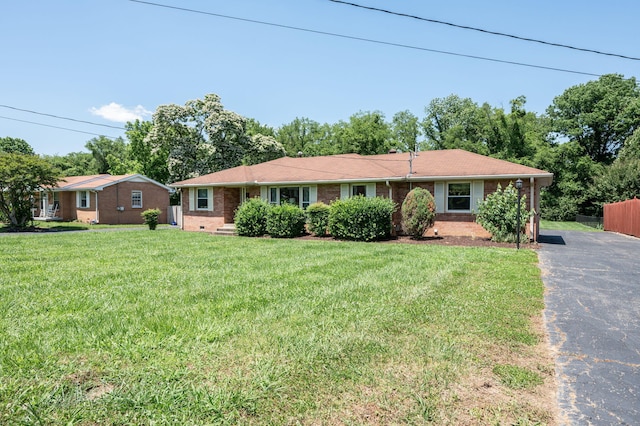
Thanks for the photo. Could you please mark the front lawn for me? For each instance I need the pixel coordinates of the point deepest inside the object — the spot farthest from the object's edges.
(566, 226)
(170, 327)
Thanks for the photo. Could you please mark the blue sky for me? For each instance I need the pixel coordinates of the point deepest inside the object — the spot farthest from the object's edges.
(107, 61)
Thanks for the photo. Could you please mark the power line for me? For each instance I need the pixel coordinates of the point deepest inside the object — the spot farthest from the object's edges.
(386, 43)
(57, 127)
(465, 27)
(61, 118)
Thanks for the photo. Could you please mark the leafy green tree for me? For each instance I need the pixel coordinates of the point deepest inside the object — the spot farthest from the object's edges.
(73, 163)
(454, 122)
(598, 115)
(15, 145)
(107, 153)
(306, 136)
(618, 182)
(21, 175)
(254, 127)
(405, 132)
(151, 161)
(262, 148)
(366, 133)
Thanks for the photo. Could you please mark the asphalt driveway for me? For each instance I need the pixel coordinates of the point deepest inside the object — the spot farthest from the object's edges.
(592, 314)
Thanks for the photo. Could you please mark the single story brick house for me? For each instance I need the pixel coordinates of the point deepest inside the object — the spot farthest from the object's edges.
(103, 198)
(457, 179)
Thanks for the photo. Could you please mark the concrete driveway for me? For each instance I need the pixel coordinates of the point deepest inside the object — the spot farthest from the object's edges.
(592, 314)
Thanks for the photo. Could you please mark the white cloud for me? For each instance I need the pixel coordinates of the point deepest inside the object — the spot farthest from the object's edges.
(120, 114)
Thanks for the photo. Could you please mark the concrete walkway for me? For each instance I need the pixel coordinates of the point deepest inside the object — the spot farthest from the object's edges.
(592, 314)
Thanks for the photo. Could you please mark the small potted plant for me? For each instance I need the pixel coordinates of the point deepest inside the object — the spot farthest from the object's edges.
(150, 217)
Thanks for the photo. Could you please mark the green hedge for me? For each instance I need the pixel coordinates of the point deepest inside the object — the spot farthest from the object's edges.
(361, 218)
(251, 218)
(318, 219)
(498, 214)
(285, 221)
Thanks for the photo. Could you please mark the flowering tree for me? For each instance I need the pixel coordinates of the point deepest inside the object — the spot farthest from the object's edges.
(202, 137)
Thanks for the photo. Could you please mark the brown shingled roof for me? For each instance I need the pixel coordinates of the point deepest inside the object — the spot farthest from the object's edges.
(97, 182)
(427, 165)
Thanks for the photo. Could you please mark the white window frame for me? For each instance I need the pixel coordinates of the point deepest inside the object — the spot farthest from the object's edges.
(347, 190)
(135, 205)
(307, 194)
(204, 198)
(80, 198)
(470, 196)
(193, 199)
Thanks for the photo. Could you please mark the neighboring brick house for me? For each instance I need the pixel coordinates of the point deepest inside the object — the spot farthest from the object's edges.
(457, 179)
(104, 199)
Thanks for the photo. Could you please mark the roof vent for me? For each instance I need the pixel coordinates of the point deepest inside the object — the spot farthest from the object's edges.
(392, 151)
(300, 154)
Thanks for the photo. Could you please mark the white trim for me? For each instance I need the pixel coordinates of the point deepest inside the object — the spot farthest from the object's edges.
(79, 199)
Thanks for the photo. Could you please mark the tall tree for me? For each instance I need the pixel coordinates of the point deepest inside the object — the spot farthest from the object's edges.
(366, 133)
(152, 160)
(20, 176)
(73, 163)
(16, 145)
(455, 122)
(599, 115)
(405, 131)
(107, 153)
(306, 136)
(200, 137)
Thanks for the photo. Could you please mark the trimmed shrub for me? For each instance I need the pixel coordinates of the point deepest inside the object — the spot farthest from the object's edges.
(498, 214)
(361, 218)
(418, 212)
(318, 219)
(150, 217)
(251, 218)
(285, 221)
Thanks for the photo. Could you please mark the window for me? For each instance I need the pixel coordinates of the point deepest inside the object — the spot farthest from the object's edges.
(202, 202)
(136, 199)
(459, 196)
(291, 195)
(82, 200)
(358, 190)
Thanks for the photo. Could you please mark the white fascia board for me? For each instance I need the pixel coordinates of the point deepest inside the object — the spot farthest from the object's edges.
(545, 176)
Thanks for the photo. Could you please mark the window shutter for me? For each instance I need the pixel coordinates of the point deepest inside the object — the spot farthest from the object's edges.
(371, 190)
(344, 191)
(78, 199)
(313, 194)
(264, 193)
(477, 194)
(210, 199)
(439, 197)
(192, 199)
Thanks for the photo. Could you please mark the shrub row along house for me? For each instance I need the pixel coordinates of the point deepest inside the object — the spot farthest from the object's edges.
(457, 179)
(102, 199)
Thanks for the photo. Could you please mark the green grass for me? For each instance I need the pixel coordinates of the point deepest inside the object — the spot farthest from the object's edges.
(566, 226)
(517, 377)
(170, 327)
(74, 226)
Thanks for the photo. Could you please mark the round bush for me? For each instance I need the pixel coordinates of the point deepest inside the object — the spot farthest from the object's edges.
(318, 219)
(285, 221)
(361, 218)
(251, 218)
(418, 212)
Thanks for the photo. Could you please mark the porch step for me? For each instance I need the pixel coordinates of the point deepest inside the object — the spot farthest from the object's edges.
(226, 229)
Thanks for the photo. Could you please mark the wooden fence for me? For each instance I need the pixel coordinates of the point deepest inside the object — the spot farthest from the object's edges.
(623, 217)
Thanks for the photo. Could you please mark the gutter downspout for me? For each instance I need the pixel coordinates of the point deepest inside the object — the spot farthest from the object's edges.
(97, 210)
(532, 205)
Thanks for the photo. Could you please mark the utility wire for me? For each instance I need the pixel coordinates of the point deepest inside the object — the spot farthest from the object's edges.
(465, 27)
(57, 127)
(386, 43)
(61, 118)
